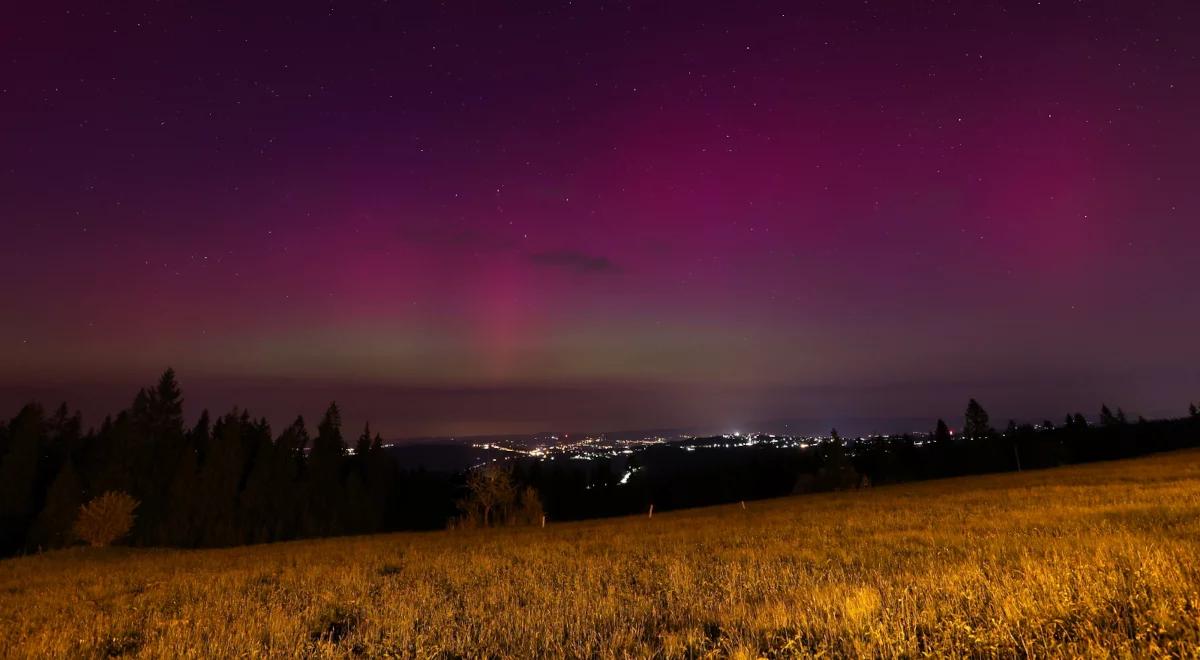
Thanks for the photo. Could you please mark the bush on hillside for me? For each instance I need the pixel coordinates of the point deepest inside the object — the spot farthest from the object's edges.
(105, 519)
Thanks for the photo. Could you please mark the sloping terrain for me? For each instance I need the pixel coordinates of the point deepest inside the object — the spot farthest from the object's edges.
(1089, 560)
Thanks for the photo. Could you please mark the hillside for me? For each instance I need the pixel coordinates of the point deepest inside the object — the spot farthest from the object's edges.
(1086, 560)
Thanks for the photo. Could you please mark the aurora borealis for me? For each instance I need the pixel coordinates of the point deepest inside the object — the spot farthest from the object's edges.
(456, 219)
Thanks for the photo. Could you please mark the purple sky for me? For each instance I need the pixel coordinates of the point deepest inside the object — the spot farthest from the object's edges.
(601, 216)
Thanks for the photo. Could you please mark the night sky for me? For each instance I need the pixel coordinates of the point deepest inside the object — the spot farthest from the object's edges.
(459, 220)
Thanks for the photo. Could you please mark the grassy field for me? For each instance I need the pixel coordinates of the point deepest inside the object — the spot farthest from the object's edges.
(1097, 560)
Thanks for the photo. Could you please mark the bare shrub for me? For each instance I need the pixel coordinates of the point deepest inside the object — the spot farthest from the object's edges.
(105, 519)
(493, 499)
(529, 507)
(491, 493)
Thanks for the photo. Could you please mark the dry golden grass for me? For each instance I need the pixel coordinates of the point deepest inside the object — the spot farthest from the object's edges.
(1098, 560)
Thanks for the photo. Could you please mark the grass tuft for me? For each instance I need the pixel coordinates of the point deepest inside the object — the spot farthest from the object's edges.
(333, 623)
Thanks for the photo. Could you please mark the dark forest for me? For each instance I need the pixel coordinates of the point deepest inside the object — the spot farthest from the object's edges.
(232, 480)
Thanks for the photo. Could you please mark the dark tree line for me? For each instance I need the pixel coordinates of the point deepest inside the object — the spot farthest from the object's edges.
(670, 478)
(224, 481)
(231, 480)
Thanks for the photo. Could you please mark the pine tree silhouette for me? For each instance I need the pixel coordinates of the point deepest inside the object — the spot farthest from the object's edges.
(976, 424)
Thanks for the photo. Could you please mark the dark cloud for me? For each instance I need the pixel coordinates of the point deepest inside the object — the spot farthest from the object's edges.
(579, 262)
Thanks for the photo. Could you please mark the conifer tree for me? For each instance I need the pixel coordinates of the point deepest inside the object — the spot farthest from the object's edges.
(52, 528)
(267, 505)
(326, 493)
(976, 424)
(160, 410)
(220, 480)
(158, 418)
(1106, 416)
(184, 501)
(19, 466)
(329, 440)
(294, 441)
(383, 480)
(198, 436)
(941, 434)
(363, 446)
(65, 432)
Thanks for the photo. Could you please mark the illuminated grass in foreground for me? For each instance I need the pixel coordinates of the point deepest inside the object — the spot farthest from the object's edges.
(1092, 560)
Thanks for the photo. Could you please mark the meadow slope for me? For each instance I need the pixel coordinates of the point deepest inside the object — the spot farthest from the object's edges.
(1094, 560)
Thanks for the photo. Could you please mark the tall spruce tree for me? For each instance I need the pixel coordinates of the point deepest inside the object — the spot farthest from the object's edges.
(158, 416)
(383, 479)
(19, 467)
(1107, 418)
(941, 433)
(363, 446)
(976, 424)
(52, 528)
(220, 480)
(268, 506)
(326, 504)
